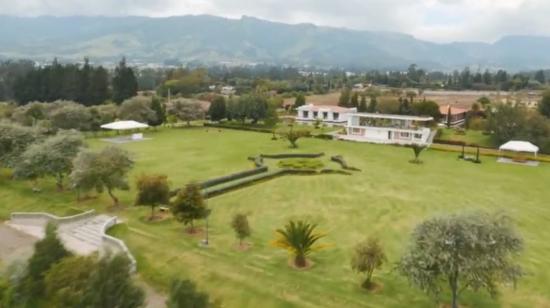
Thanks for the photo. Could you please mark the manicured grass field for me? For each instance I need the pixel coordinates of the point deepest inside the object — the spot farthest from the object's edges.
(387, 199)
(469, 137)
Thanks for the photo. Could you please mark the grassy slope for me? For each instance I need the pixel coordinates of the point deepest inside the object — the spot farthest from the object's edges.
(470, 137)
(388, 199)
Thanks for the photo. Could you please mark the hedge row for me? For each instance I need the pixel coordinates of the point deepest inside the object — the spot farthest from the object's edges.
(292, 155)
(258, 161)
(239, 127)
(459, 143)
(233, 177)
(340, 160)
(216, 191)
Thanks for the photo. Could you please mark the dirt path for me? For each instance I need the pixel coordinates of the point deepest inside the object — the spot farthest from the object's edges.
(16, 245)
(153, 298)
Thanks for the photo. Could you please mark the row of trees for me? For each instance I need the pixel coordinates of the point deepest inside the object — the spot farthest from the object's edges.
(54, 277)
(85, 84)
(254, 107)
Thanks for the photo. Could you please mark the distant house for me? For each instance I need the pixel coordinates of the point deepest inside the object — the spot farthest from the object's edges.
(212, 87)
(458, 115)
(388, 129)
(227, 90)
(330, 115)
(358, 87)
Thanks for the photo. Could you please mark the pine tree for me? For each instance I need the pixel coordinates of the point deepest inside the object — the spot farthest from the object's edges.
(363, 104)
(217, 110)
(160, 112)
(124, 82)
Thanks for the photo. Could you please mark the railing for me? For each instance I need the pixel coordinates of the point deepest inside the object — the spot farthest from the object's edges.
(21, 218)
(119, 245)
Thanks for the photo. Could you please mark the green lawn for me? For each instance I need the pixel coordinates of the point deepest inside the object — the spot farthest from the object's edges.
(469, 137)
(388, 198)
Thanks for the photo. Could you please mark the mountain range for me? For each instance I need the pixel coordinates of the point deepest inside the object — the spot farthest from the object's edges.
(210, 39)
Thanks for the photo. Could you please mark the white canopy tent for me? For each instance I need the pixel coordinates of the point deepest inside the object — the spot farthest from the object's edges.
(124, 125)
(519, 146)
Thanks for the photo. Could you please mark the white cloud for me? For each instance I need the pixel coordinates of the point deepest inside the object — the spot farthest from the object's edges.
(439, 20)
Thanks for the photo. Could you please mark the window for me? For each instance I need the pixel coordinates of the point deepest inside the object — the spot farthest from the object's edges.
(404, 135)
(335, 116)
(315, 114)
(305, 114)
(325, 115)
(417, 136)
(357, 131)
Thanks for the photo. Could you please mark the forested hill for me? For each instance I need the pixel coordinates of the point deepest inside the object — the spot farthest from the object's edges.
(250, 40)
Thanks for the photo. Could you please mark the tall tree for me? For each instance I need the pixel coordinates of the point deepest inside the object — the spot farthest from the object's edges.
(47, 252)
(544, 104)
(153, 190)
(363, 107)
(124, 82)
(469, 251)
(217, 110)
(345, 96)
(354, 103)
(189, 205)
(300, 100)
(540, 77)
(241, 227)
(111, 286)
(158, 109)
(52, 157)
(104, 170)
(186, 110)
(138, 109)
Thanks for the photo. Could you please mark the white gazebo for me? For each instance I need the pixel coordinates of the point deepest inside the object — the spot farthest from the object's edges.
(519, 147)
(124, 125)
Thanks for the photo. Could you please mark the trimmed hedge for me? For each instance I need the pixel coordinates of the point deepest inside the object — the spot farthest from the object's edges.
(233, 177)
(292, 155)
(216, 191)
(258, 161)
(340, 160)
(240, 127)
(459, 143)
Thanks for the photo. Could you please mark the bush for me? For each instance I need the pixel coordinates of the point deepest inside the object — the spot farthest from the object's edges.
(233, 177)
(301, 164)
(340, 160)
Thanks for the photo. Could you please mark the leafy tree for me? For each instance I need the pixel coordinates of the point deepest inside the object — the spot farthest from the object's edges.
(111, 286)
(271, 117)
(368, 256)
(354, 100)
(138, 109)
(299, 238)
(67, 280)
(158, 109)
(417, 149)
(102, 170)
(241, 227)
(70, 115)
(52, 157)
(345, 97)
(184, 294)
(427, 108)
(468, 251)
(544, 105)
(186, 110)
(540, 77)
(256, 106)
(124, 82)
(484, 101)
(47, 252)
(300, 100)
(217, 110)
(294, 135)
(189, 205)
(372, 105)
(363, 104)
(14, 140)
(152, 191)
(506, 122)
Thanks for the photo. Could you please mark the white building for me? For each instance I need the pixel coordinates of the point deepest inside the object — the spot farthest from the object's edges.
(329, 115)
(388, 128)
(227, 90)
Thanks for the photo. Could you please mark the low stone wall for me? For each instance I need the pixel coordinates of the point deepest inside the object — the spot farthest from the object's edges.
(117, 246)
(41, 218)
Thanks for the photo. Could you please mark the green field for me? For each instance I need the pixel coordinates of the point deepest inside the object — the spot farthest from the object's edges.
(387, 199)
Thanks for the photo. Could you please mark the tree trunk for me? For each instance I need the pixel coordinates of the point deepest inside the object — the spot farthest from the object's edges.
(59, 182)
(300, 260)
(453, 283)
(152, 212)
(115, 199)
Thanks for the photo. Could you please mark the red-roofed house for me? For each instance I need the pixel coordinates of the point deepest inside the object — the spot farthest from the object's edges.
(458, 115)
(330, 115)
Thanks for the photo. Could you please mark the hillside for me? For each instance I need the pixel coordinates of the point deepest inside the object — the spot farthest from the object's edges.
(210, 39)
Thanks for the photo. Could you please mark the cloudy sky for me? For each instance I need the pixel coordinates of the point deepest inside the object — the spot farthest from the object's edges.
(436, 20)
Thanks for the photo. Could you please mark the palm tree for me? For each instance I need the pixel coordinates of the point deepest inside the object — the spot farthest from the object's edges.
(299, 238)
